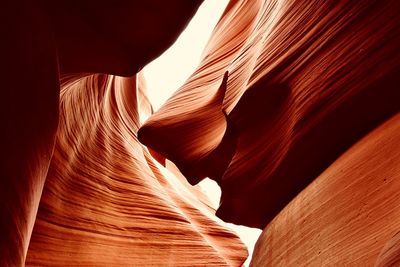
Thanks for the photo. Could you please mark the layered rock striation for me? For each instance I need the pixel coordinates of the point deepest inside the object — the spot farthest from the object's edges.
(71, 152)
(348, 216)
(106, 201)
(305, 82)
(293, 110)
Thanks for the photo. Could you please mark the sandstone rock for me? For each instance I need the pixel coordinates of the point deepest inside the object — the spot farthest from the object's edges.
(306, 81)
(346, 216)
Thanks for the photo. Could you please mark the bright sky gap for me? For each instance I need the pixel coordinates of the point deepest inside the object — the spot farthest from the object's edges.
(168, 72)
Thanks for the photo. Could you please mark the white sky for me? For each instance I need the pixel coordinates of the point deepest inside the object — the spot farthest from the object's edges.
(168, 72)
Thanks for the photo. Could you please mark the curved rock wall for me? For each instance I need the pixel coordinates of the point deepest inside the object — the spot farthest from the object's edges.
(306, 81)
(29, 118)
(106, 202)
(287, 93)
(348, 216)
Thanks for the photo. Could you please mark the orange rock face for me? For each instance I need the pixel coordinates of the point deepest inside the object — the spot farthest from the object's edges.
(104, 201)
(293, 110)
(107, 203)
(306, 81)
(349, 216)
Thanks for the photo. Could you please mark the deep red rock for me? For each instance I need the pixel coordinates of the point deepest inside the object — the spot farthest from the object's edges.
(117, 37)
(29, 118)
(104, 201)
(306, 81)
(348, 216)
(302, 135)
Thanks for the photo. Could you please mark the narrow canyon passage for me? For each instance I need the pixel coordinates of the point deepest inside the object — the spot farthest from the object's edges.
(188, 133)
(167, 73)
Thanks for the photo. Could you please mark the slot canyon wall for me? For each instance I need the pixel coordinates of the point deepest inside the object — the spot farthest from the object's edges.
(107, 203)
(293, 110)
(88, 193)
(284, 91)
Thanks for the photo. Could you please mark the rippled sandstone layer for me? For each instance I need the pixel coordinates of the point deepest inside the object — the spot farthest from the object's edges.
(349, 216)
(307, 80)
(103, 199)
(106, 202)
(293, 111)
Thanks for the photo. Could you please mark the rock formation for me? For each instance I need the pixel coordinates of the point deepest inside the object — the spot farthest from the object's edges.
(348, 216)
(306, 81)
(105, 201)
(293, 110)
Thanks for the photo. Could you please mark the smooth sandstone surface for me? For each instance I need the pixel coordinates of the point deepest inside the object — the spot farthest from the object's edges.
(349, 216)
(293, 110)
(306, 81)
(102, 198)
(106, 201)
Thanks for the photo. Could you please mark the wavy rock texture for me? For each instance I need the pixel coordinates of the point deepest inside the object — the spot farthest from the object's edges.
(306, 81)
(390, 254)
(107, 203)
(284, 91)
(349, 216)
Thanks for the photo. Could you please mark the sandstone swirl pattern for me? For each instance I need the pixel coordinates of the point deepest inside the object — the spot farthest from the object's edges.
(349, 216)
(293, 110)
(307, 79)
(106, 202)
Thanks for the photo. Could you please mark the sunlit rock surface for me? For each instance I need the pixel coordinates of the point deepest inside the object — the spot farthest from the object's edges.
(107, 203)
(306, 81)
(104, 201)
(349, 216)
(293, 111)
